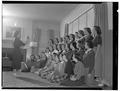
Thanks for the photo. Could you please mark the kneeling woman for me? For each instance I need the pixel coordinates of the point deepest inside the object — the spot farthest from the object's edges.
(26, 66)
(78, 77)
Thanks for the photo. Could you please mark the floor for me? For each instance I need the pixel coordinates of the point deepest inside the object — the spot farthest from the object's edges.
(18, 79)
(24, 80)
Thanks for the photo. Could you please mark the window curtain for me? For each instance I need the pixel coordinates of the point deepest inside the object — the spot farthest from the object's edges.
(101, 19)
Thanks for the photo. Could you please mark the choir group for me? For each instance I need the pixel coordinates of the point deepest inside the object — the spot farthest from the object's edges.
(67, 60)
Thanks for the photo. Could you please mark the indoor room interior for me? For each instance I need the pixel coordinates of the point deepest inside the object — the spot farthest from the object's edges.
(41, 24)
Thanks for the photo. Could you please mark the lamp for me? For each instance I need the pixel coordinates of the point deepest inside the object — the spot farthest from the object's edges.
(33, 44)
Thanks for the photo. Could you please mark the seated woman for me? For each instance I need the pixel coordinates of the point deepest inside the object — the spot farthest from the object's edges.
(55, 48)
(69, 65)
(47, 52)
(26, 66)
(41, 61)
(78, 77)
(59, 47)
(58, 74)
(60, 40)
(49, 71)
(48, 64)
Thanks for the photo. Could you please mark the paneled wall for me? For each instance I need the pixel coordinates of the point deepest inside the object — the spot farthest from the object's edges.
(48, 30)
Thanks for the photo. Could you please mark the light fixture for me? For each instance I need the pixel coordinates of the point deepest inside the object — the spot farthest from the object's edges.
(15, 24)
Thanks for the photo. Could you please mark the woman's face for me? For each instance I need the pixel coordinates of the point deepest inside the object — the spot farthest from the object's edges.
(77, 45)
(55, 47)
(58, 47)
(76, 35)
(66, 47)
(79, 35)
(85, 32)
(50, 42)
(94, 31)
(86, 46)
(64, 57)
(51, 49)
(67, 39)
(71, 46)
(71, 38)
(32, 57)
(63, 47)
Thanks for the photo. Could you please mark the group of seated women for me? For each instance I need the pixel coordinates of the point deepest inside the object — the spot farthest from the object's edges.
(67, 60)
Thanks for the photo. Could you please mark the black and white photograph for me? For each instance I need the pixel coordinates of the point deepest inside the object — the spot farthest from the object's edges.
(59, 45)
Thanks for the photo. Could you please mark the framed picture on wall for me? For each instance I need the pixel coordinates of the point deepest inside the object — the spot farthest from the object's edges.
(8, 32)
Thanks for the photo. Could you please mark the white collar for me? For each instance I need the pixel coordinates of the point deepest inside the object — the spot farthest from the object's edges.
(88, 50)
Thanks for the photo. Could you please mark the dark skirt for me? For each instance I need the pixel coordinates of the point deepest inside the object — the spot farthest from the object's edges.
(69, 68)
(16, 58)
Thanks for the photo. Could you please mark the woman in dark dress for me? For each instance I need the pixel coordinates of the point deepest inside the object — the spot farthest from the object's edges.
(17, 55)
(69, 65)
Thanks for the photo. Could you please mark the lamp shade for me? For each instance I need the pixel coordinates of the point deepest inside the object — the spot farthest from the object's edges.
(33, 44)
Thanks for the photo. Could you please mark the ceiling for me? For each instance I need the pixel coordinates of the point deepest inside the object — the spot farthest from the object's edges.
(54, 12)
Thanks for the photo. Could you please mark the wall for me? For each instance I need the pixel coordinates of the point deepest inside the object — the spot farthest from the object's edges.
(24, 24)
(29, 27)
(47, 28)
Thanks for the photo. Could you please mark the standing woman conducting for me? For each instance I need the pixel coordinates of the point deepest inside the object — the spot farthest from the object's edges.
(97, 42)
(17, 55)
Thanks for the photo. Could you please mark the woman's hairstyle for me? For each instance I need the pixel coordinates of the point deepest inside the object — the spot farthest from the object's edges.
(76, 32)
(90, 44)
(51, 41)
(16, 34)
(55, 46)
(56, 39)
(67, 36)
(81, 41)
(60, 46)
(98, 30)
(61, 39)
(81, 32)
(39, 56)
(88, 30)
(51, 47)
(74, 44)
(32, 56)
(55, 54)
(68, 46)
(73, 36)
